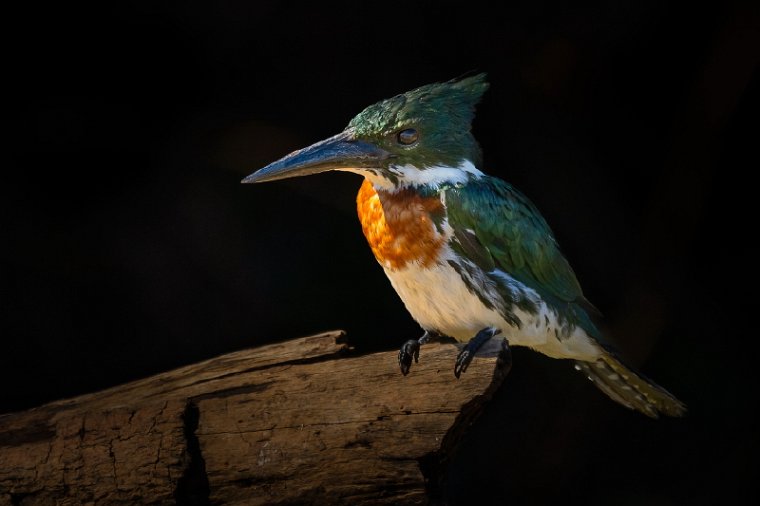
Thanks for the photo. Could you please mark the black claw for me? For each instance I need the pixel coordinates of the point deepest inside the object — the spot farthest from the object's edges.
(471, 348)
(463, 360)
(409, 350)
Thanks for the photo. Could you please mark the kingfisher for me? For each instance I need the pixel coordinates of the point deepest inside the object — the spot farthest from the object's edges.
(470, 256)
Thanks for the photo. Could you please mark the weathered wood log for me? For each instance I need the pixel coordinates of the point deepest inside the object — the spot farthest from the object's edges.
(304, 421)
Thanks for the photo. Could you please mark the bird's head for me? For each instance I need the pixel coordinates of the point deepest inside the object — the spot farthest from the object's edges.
(419, 137)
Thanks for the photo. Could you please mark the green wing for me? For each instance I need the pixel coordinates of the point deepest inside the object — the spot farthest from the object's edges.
(498, 227)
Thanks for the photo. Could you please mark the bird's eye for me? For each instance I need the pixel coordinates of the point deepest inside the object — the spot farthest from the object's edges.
(407, 136)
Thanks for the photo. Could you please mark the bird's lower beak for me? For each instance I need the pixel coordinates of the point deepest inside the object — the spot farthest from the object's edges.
(341, 151)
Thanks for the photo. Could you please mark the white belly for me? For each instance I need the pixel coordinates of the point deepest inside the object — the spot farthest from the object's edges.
(440, 300)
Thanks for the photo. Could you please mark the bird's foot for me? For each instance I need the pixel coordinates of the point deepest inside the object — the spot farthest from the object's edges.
(410, 350)
(471, 348)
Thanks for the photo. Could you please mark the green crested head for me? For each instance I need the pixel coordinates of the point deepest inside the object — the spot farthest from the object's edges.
(428, 126)
(420, 137)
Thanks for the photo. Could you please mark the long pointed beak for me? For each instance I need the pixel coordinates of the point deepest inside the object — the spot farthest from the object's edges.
(341, 151)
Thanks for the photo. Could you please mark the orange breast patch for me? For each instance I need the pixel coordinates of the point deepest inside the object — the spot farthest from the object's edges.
(400, 226)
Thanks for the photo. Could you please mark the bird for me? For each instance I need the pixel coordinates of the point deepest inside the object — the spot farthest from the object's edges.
(470, 256)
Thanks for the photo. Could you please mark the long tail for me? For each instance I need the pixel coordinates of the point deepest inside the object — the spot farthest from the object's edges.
(630, 388)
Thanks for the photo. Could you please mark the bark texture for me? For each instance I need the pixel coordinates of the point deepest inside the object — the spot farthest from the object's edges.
(303, 421)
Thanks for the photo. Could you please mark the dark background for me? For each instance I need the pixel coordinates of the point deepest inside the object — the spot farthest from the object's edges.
(129, 246)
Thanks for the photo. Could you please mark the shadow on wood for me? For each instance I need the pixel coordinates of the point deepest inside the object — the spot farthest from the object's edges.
(303, 421)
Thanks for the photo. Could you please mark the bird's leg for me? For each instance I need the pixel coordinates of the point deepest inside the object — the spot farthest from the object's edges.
(471, 348)
(411, 350)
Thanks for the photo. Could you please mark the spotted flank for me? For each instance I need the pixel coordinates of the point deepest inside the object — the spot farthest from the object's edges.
(409, 233)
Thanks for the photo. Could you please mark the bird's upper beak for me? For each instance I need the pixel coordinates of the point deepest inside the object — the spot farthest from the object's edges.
(342, 151)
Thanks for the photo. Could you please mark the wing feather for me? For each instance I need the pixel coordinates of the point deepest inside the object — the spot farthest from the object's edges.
(497, 226)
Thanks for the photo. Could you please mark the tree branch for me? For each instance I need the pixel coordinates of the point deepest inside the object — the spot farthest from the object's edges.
(304, 421)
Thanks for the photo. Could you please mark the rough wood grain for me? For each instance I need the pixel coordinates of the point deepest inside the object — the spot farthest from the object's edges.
(302, 421)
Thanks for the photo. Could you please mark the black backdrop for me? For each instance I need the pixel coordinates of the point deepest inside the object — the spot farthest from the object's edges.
(129, 246)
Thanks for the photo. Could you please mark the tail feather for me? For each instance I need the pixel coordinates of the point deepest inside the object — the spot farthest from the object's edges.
(630, 388)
